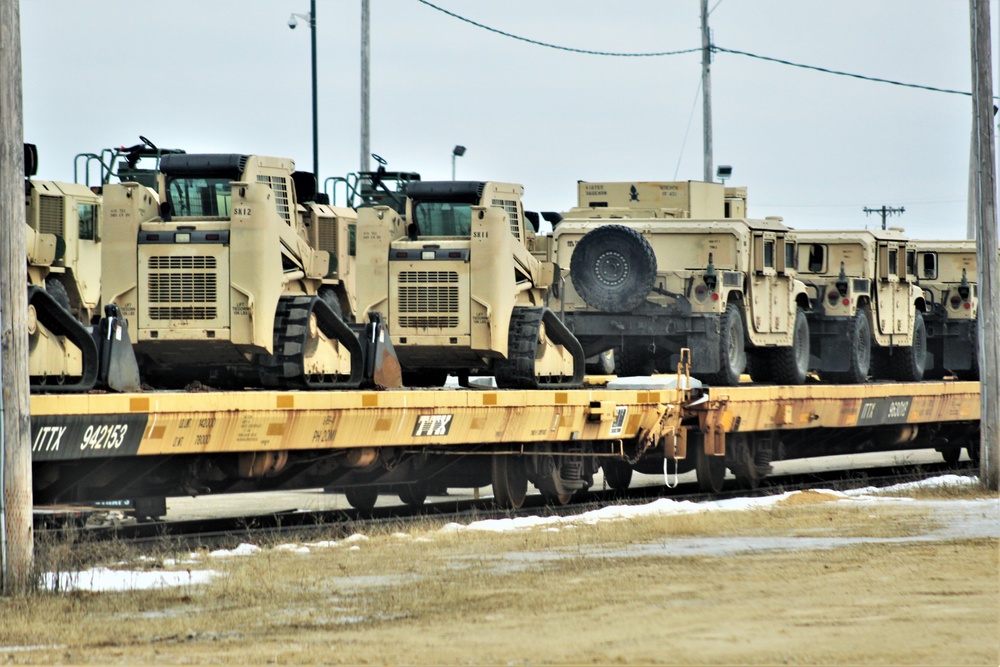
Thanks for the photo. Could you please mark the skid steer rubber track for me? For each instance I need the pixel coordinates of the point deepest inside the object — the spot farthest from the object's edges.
(285, 369)
(60, 322)
(517, 371)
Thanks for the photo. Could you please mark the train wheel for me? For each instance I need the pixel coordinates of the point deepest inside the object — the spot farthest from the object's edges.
(741, 448)
(951, 455)
(413, 495)
(557, 498)
(510, 481)
(617, 474)
(711, 470)
(362, 498)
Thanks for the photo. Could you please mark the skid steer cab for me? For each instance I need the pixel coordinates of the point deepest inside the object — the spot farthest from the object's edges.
(460, 290)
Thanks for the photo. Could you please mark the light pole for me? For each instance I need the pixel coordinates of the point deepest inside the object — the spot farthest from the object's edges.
(292, 22)
(458, 151)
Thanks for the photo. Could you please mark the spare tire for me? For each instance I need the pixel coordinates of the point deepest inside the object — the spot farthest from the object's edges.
(613, 268)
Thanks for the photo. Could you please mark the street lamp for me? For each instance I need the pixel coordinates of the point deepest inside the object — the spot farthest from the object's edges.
(458, 151)
(311, 19)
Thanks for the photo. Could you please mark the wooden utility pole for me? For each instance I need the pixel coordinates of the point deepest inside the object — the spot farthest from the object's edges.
(706, 92)
(885, 212)
(986, 241)
(365, 96)
(15, 435)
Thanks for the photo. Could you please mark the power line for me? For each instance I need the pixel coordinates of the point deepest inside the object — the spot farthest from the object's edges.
(840, 73)
(713, 47)
(556, 46)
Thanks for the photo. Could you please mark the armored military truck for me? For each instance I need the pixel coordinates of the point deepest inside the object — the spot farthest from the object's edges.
(657, 267)
(867, 314)
(947, 273)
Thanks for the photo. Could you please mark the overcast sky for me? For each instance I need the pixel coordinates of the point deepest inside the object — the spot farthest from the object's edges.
(229, 76)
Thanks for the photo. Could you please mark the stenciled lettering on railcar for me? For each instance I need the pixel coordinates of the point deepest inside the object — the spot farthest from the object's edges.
(890, 410)
(84, 436)
(618, 425)
(432, 425)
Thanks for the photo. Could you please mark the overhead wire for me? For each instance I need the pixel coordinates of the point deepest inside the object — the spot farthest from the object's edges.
(714, 48)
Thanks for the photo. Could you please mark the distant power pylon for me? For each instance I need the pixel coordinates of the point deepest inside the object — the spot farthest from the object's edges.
(885, 212)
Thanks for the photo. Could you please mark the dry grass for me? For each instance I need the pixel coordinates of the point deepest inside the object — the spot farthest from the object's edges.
(552, 598)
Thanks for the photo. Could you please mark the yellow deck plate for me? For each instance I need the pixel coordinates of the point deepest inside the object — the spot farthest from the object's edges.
(101, 425)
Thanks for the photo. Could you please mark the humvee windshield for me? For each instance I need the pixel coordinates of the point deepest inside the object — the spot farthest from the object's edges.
(435, 218)
(195, 197)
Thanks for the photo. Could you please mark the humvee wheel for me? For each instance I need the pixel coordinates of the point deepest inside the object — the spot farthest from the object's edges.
(972, 372)
(907, 363)
(602, 363)
(510, 481)
(613, 268)
(732, 352)
(634, 359)
(861, 353)
(790, 365)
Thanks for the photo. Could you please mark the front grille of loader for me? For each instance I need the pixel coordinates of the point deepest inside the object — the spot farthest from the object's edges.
(182, 288)
(428, 299)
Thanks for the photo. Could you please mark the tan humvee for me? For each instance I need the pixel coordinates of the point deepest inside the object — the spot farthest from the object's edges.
(649, 285)
(460, 289)
(867, 311)
(230, 274)
(947, 271)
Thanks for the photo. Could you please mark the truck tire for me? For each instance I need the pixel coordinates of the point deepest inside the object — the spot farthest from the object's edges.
(58, 292)
(633, 359)
(732, 349)
(613, 268)
(790, 365)
(861, 353)
(907, 363)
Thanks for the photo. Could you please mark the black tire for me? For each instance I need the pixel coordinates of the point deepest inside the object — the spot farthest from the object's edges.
(617, 474)
(58, 292)
(907, 363)
(861, 353)
(971, 373)
(633, 358)
(790, 365)
(732, 350)
(759, 365)
(613, 268)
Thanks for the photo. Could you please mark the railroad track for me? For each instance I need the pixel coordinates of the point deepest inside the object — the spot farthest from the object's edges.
(229, 532)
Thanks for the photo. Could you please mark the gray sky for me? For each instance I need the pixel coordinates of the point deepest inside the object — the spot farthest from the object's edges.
(229, 76)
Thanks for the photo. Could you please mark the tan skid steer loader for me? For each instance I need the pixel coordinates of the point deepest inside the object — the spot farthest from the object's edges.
(461, 292)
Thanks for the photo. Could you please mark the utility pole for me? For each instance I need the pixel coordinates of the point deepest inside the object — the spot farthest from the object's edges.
(706, 91)
(16, 540)
(885, 212)
(365, 78)
(986, 242)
